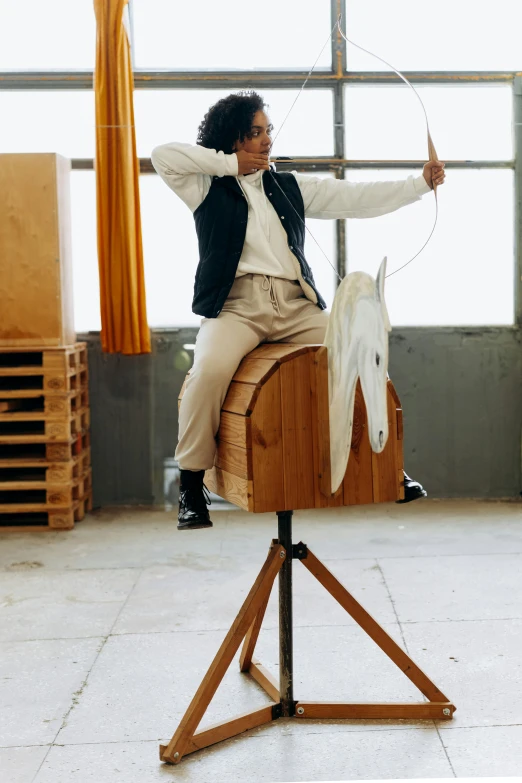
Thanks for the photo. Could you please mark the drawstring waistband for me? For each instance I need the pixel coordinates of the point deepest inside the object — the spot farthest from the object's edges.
(271, 289)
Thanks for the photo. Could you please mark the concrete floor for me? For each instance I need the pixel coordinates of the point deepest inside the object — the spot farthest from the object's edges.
(106, 632)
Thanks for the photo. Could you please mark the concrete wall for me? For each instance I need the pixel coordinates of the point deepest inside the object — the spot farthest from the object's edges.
(461, 391)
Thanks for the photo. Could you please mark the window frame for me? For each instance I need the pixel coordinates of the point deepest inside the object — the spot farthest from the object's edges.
(335, 80)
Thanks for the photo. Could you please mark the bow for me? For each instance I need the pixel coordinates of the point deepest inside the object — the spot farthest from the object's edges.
(432, 155)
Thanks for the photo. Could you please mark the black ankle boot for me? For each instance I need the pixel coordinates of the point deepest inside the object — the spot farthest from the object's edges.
(412, 490)
(193, 501)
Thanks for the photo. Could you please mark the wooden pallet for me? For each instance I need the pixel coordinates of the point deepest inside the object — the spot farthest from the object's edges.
(26, 492)
(35, 469)
(39, 427)
(72, 356)
(52, 405)
(45, 455)
(39, 517)
(51, 370)
(45, 452)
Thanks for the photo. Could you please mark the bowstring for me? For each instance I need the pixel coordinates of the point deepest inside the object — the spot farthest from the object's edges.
(431, 148)
(304, 224)
(432, 152)
(305, 81)
(275, 139)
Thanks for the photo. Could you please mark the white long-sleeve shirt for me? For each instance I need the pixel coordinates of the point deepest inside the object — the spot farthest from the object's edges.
(188, 170)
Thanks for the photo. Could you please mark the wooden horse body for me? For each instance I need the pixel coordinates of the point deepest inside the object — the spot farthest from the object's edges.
(273, 444)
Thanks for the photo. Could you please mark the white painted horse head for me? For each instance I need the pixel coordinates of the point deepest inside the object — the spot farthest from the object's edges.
(357, 342)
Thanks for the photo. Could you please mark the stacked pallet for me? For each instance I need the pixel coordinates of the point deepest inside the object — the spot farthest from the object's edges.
(45, 457)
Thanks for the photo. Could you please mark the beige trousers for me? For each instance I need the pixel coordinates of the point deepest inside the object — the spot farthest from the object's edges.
(258, 309)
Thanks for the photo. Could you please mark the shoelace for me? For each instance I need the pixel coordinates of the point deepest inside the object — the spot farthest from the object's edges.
(196, 494)
(271, 290)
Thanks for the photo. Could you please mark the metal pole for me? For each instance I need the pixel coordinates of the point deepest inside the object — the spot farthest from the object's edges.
(340, 225)
(517, 117)
(286, 659)
(339, 50)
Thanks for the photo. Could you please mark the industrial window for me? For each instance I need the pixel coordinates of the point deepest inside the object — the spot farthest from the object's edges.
(84, 251)
(174, 115)
(464, 277)
(48, 121)
(472, 122)
(460, 35)
(209, 35)
(46, 35)
(354, 119)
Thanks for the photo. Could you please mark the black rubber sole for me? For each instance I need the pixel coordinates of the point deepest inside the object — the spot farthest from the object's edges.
(195, 526)
(417, 496)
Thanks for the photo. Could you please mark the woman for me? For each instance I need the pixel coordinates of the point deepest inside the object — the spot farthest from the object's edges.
(253, 283)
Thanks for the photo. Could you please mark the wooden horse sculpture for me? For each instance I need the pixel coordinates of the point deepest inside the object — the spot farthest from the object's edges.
(274, 454)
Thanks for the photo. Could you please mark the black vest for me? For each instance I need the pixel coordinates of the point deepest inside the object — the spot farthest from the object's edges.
(221, 221)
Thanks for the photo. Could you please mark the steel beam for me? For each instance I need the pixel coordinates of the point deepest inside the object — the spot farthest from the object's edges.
(320, 79)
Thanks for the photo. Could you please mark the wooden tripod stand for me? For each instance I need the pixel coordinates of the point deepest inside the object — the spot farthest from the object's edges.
(246, 627)
(274, 453)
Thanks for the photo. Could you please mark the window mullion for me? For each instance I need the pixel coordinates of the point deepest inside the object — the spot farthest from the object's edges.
(517, 119)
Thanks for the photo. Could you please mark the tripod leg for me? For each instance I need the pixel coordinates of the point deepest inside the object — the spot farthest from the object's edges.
(253, 632)
(246, 662)
(373, 629)
(179, 743)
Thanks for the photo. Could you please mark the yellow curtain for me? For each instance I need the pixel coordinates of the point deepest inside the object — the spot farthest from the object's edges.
(120, 250)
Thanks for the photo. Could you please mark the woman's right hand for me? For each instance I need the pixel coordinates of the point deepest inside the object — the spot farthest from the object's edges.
(249, 162)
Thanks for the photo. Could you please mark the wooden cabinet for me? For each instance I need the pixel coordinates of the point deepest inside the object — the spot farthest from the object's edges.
(36, 294)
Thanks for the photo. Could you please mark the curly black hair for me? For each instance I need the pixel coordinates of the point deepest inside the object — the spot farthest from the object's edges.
(228, 120)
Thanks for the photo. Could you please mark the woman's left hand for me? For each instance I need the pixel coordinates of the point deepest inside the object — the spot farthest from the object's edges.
(434, 173)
